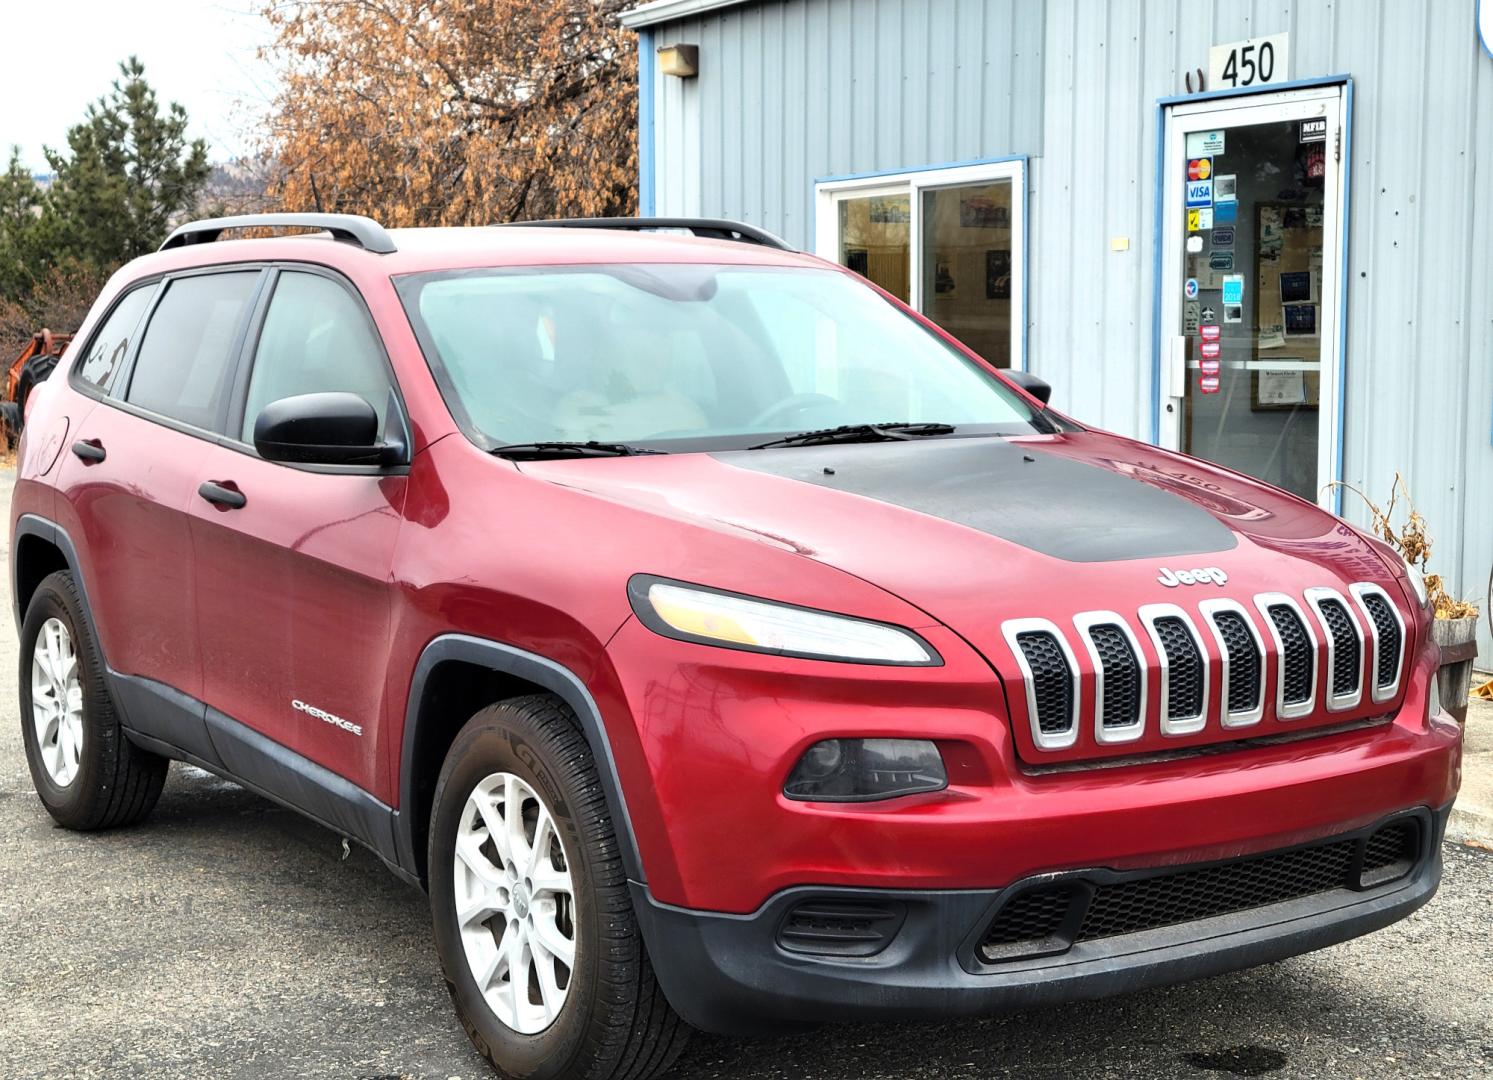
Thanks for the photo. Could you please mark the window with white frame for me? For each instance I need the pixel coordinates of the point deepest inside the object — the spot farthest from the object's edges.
(948, 241)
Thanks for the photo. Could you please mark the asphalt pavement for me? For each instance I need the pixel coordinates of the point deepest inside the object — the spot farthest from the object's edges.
(226, 937)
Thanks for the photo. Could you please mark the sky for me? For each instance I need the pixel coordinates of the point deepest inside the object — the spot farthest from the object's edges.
(61, 55)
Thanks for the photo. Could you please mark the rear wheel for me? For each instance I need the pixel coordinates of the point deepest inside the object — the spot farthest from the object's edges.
(530, 905)
(87, 774)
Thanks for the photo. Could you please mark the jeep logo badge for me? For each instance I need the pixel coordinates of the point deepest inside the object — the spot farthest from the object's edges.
(1198, 576)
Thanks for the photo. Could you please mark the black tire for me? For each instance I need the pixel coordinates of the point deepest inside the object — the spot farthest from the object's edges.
(615, 1023)
(37, 369)
(116, 782)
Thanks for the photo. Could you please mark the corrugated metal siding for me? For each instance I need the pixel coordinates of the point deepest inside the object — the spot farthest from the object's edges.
(793, 90)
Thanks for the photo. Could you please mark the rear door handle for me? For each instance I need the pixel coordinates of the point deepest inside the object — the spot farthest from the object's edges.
(225, 496)
(89, 451)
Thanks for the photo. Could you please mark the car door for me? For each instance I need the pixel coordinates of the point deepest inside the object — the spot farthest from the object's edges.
(294, 563)
(131, 479)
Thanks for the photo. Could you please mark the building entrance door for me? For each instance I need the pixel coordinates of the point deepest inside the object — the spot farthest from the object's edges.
(1251, 262)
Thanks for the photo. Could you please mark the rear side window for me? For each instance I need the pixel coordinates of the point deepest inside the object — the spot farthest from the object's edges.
(182, 371)
(109, 347)
(316, 338)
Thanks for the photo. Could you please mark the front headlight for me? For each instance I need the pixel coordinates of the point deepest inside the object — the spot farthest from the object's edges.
(712, 617)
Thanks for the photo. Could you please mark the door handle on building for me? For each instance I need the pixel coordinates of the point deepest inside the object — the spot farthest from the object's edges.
(1174, 373)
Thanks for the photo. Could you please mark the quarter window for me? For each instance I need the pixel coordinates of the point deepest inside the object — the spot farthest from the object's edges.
(316, 338)
(109, 347)
(183, 369)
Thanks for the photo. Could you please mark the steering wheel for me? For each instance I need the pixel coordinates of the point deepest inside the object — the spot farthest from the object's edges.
(781, 410)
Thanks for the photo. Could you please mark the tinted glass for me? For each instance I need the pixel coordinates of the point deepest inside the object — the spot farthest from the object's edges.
(316, 337)
(685, 352)
(111, 344)
(183, 368)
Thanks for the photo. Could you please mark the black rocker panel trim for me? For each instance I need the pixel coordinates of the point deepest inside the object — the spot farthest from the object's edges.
(178, 723)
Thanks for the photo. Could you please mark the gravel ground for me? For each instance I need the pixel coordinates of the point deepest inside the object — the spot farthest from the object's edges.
(226, 937)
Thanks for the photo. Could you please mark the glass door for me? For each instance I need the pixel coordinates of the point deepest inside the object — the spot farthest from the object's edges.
(950, 242)
(1251, 253)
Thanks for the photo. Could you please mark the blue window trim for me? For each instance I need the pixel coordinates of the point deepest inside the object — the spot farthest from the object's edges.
(1026, 221)
(647, 192)
(1158, 238)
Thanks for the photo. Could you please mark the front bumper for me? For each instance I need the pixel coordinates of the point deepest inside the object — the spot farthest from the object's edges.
(731, 973)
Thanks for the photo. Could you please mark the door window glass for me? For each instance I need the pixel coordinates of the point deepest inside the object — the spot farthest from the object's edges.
(182, 371)
(966, 265)
(876, 240)
(1253, 316)
(111, 344)
(316, 338)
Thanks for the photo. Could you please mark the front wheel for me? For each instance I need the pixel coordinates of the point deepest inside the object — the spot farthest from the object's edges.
(529, 900)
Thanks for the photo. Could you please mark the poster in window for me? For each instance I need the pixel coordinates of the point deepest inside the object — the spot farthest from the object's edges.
(998, 274)
(944, 285)
(983, 212)
(1301, 320)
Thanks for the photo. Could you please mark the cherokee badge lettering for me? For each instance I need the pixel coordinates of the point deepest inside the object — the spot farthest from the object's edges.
(335, 721)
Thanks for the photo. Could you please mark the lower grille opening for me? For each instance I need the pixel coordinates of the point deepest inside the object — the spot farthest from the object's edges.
(1390, 853)
(828, 927)
(1033, 923)
(1051, 918)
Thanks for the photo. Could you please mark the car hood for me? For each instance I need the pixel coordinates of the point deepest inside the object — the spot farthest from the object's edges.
(977, 530)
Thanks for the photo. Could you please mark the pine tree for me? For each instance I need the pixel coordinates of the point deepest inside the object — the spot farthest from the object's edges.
(129, 172)
(20, 228)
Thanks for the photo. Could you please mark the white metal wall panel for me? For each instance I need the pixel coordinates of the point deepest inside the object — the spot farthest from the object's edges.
(794, 90)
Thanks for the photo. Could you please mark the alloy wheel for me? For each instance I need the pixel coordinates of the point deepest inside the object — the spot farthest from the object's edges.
(57, 702)
(515, 903)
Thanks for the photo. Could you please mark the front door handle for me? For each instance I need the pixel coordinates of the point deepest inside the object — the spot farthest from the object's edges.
(89, 451)
(225, 496)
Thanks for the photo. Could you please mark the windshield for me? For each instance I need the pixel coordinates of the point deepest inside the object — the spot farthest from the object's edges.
(678, 356)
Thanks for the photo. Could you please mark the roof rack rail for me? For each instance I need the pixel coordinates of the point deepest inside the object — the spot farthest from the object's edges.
(709, 228)
(352, 228)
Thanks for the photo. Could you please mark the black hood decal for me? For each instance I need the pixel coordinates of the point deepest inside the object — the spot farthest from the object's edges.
(1049, 503)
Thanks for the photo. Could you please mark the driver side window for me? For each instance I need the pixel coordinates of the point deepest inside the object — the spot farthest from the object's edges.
(316, 338)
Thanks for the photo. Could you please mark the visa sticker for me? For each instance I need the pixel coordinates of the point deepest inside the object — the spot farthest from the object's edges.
(1200, 193)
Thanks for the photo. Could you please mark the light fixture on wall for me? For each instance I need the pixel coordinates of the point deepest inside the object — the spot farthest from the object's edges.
(682, 61)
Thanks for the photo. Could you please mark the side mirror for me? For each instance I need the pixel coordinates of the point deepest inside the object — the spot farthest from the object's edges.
(1038, 388)
(322, 429)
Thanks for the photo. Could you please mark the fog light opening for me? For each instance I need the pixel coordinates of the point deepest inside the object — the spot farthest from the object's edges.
(866, 770)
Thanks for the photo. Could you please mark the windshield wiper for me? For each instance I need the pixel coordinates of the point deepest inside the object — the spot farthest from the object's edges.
(849, 433)
(535, 451)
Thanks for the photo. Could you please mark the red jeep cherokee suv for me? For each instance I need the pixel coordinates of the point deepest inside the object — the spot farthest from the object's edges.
(714, 637)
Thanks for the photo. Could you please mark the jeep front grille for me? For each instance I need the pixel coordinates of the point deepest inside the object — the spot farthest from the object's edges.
(1051, 677)
(1296, 681)
(1389, 639)
(1110, 691)
(1184, 674)
(1244, 662)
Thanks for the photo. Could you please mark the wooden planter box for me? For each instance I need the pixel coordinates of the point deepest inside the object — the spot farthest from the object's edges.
(1458, 641)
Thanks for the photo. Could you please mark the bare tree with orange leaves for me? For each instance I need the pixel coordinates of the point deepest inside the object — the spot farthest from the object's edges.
(455, 112)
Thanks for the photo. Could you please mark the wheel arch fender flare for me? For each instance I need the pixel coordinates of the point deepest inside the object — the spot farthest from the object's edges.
(530, 667)
(54, 534)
